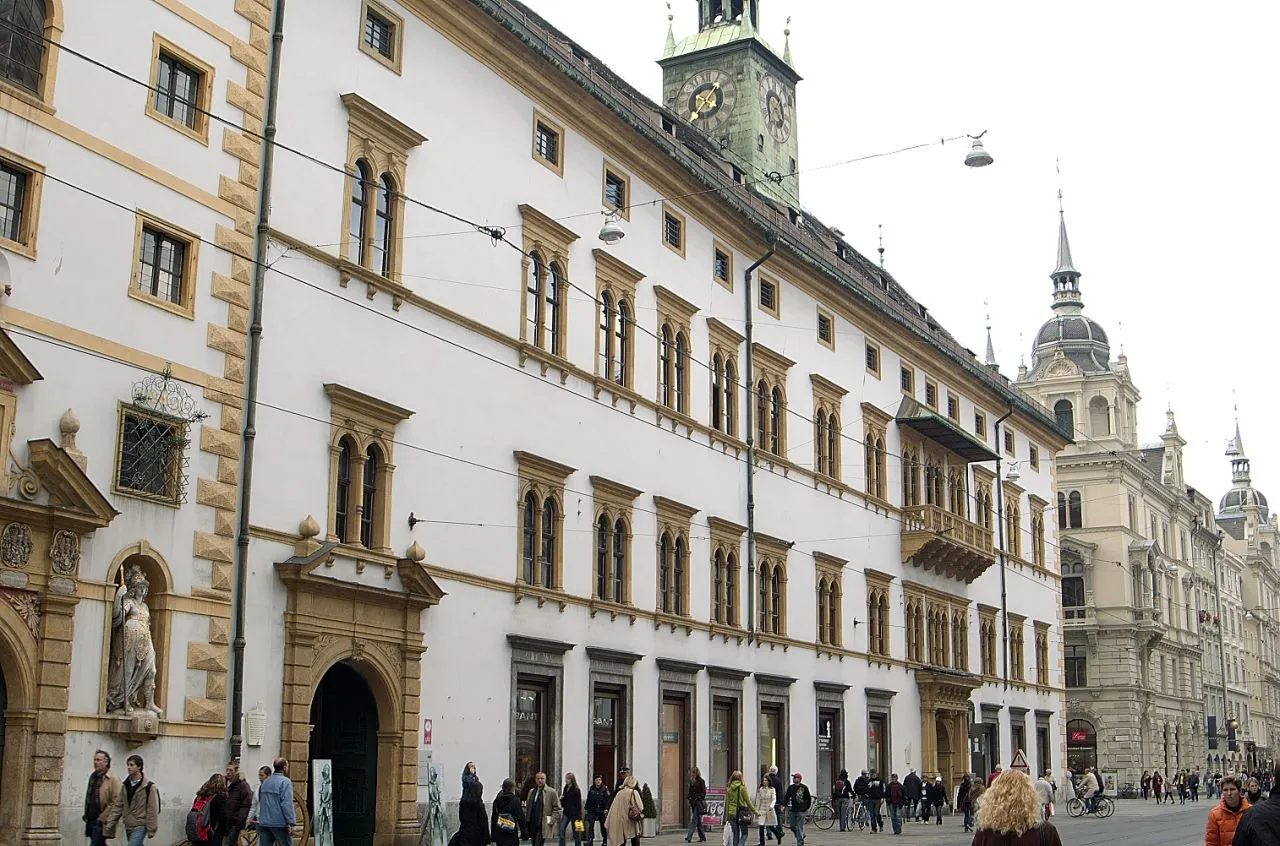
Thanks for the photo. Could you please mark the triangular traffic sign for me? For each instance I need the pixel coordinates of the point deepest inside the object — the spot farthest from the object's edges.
(1020, 762)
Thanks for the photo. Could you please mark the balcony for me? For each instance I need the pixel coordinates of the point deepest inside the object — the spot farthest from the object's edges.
(949, 545)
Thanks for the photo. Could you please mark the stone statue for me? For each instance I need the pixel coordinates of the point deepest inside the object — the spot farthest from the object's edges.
(131, 677)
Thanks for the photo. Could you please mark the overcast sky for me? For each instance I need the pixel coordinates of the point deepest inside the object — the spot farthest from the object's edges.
(1163, 118)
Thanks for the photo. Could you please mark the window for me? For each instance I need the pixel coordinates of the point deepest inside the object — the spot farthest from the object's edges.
(726, 539)
(674, 357)
(673, 230)
(725, 344)
(908, 379)
(1065, 416)
(873, 359)
(1069, 510)
(617, 191)
(987, 639)
(1042, 654)
(771, 400)
(24, 62)
(548, 143)
(772, 574)
(1033, 457)
(877, 614)
(980, 425)
(378, 149)
(613, 502)
(1099, 416)
(1013, 521)
(546, 268)
(1075, 666)
(769, 300)
(673, 556)
(953, 407)
(151, 456)
(910, 475)
(830, 614)
(542, 484)
(938, 624)
(826, 329)
(183, 87)
(875, 427)
(1009, 442)
(615, 338)
(827, 397)
(722, 265)
(1017, 659)
(915, 628)
(1038, 546)
(960, 639)
(164, 267)
(931, 394)
(382, 36)
(360, 467)
(20, 182)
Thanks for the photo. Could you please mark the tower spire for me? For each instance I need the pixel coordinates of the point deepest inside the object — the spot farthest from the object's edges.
(670, 47)
(1066, 279)
(991, 350)
(786, 46)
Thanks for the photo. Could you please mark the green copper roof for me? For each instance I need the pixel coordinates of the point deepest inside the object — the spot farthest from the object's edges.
(716, 36)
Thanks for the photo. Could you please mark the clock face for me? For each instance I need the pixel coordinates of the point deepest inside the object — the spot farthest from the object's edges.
(707, 99)
(776, 107)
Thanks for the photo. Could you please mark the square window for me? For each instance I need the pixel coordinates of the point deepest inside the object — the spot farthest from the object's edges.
(722, 265)
(20, 181)
(382, 35)
(931, 394)
(908, 377)
(164, 266)
(181, 86)
(980, 424)
(617, 192)
(1034, 458)
(826, 329)
(953, 407)
(548, 143)
(150, 456)
(673, 234)
(1009, 442)
(769, 296)
(873, 359)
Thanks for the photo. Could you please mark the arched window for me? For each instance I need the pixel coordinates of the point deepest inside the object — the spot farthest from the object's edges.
(776, 410)
(664, 573)
(342, 497)
(533, 299)
(1062, 510)
(666, 365)
(822, 610)
(820, 441)
(910, 478)
(1099, 416)
(833, 446)
(528, 552)
(764, 596)
(717, 392)
(22, 25)
(775, 601)
(1075, 519)
(622, 374)
(369, 496)
(549, 512)
(730, 398)
(717, 587)
(620, 547)
(555, 295)
(731, 589)
(608, 363)
(682, 373)
(1065, 416)
(762, 415)
(360, 185)
(677, 576)
(602, 557)
(383, 228)
(833, 612)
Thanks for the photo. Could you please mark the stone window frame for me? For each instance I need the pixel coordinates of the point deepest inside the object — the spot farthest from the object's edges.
(1017, 646)
(953, 400)
(618, 281)
(879, 590)
(204, 93)
(186, 307)
(550, 241)
(875, 441)
(774, 311)
(987, 641)
(1010, 439)
(675, 384)
(541, 121)
(912, 467)
(771, 558)
(931, 389)
(1039, 548)
(960, 636)
(609, 169)
(1042, 652)
(826, 314)
(771, 370)
(914, 618)
(1033, 456)
(29, 226)
(873, 351)
(938, 631)
(1013, 519)
(678, 679)
(828, 431)
(980, 424)
(726, 539)
(675, 521)
(51, 47)
(613, 670)
(394, 63)
(726, 352)
(546, 480)
(615, 502)
(829, 577)
(383, 143)
(173, 496)
(939, 611)
(725, 686)
(775, 692)
(905, 368)
(718, 246)
(540, 661)
(984, 497)
(366, 422)
(671, 213)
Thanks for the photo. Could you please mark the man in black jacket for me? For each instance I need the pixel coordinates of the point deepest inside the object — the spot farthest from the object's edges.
(239, 801)
(911, 791)
(1261, 825)
(860, 795)
(598, 800)
(873, 796)
(798, 801)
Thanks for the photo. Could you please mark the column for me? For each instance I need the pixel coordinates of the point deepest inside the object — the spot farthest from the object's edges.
(49, 747)
(928, 740)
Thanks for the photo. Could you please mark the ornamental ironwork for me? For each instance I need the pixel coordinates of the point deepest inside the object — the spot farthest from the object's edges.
(154, 438)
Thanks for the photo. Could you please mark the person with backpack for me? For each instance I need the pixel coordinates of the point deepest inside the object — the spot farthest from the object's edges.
(137, 806)
(842, 798)
(209, 819)
(797, 800)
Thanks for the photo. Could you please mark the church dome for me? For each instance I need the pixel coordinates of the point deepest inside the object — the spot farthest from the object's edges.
(1237, 498)
(1081, 339)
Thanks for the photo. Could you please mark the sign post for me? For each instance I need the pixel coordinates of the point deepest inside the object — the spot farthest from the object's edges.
(1019, 763)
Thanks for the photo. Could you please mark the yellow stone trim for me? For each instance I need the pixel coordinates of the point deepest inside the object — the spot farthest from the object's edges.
(204, 97)
(775, 364)
(541, 120)
(25, 245)
(718, 246)
(99, 725)
(199, 21)
(190, 265)
(610, 169)
(395, 63)
(724, 338)
(669, 211)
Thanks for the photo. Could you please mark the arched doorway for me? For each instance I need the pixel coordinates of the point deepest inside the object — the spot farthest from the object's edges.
(945, 752)
(344, 719)
(1082, 745)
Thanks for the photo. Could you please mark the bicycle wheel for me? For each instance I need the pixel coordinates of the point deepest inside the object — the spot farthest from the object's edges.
(824, 816)
(1075, 807)
(1105, 808)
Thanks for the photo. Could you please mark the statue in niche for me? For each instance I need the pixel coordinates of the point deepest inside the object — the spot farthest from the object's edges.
(131, 676)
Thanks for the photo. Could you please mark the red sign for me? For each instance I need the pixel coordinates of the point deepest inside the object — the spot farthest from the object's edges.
(426, 732)
(1020, 763)
(1079, 736)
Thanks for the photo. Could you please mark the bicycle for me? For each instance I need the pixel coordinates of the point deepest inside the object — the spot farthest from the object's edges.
(1103, 807)
(861, 816)
(822, 814)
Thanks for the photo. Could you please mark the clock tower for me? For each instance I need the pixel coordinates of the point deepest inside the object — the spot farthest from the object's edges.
(740, 93)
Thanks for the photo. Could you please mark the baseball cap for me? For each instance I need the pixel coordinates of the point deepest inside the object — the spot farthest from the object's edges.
(796, 775)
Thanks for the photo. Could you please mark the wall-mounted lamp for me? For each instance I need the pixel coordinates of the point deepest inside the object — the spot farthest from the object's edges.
(413, 521)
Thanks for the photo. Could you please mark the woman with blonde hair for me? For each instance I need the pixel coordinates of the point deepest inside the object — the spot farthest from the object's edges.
(738, 810)
(625, 814)
(1010, 815)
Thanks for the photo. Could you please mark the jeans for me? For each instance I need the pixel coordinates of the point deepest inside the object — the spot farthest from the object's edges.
(739, 832)
(95, 834)
(566, 822)
(136, 836)
(695, 825)
(267, 836)
(924, 811)
(797, 826)
(591, 820)
(231, 838)
(968, 815)
(844, 813)
(873, 814)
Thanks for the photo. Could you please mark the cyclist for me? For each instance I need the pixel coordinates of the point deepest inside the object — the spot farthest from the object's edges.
(1092, 790)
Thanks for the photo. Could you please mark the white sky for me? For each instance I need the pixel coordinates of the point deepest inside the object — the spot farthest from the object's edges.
(1163, 116)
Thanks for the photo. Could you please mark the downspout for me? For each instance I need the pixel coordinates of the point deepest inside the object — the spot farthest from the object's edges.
(1000, 541)
(249, 434)
(749, 375)
(1222, 641)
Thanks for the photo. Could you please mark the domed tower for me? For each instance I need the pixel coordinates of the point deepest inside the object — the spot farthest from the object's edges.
(1093, 399)
(1243, 505)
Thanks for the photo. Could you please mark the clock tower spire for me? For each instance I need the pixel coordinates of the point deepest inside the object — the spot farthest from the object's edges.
(739, 92)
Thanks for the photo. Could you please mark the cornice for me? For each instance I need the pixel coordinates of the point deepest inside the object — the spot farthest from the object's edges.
(365, 407)
(402, 136)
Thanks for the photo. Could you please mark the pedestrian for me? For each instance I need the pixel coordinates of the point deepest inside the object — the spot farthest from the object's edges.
(842, 798)
(797, 800)
(697, 798)
(136, 806)
(937, 796)
(504, 822)
(1146, 784)
(543, 804)
(1261, 826)
(962, 800)
(571, 809)
(873, 796)
(622, 780)
(1010, 815)
(99, 797)
(276, 816)
(1195, 785)
(1253, 791)
(975, 795)
(995, 774)
(473, 822)
(625, 814)
(766, 802)
(1045, 790)
(212, 813)
(895, 799)
(264, 773)
(775, 780)
(1224, 819)
(1169, 785)
(860, 796)
(1157, 786)
(597, 806)
(239, 802)
(912, 789)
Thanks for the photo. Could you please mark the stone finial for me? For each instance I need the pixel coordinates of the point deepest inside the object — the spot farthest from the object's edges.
(69, 427)
(416, 553)
(309, 528)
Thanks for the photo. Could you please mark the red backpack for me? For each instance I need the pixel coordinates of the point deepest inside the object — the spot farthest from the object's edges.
(199, 826)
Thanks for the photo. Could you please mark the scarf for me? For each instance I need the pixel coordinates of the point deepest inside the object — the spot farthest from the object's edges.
(93, 801)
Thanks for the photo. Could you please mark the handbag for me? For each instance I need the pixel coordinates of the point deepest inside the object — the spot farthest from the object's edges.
(744, 816)
(1049, 811)
(635, 814)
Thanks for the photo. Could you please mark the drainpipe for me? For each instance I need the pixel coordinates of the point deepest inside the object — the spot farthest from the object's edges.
(1000, 540)
(751, 442)
(249, 435)
(1222, 641)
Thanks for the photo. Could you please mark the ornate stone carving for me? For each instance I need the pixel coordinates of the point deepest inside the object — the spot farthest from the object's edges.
(15, 545)
(27, 606)
(64, 552)
(23, 479)
(357, 650)
(131, 676)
